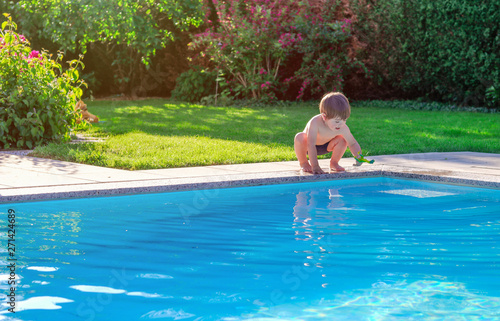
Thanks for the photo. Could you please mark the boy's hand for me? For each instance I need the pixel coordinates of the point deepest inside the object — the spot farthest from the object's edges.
(317, 170)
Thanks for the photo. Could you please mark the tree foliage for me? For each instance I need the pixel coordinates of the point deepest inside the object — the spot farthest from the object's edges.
(128, 33)
(144, 25)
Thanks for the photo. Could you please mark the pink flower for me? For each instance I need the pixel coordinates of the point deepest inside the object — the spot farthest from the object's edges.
(262, 71)
(265, 85)
(34, 54)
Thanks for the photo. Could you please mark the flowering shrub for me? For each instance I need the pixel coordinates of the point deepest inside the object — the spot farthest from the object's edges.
(37, 98)
(244, 44)
(254, 41)
(325, 61)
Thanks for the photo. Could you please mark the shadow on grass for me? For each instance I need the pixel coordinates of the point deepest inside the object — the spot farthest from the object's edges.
(265, 125)
(378, 130)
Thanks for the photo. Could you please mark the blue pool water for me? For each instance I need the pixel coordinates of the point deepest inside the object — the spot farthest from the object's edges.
(359, 249)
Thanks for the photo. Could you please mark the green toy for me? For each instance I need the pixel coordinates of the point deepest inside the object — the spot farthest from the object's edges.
(361, 159)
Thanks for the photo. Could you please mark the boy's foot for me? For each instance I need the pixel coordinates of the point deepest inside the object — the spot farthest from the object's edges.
(306, 167)
(334, 167)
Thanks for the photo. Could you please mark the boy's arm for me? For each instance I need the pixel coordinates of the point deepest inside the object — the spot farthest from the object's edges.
(312, 134)
(351, 142)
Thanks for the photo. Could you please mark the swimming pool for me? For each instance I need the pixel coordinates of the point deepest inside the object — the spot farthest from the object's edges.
(358, 249)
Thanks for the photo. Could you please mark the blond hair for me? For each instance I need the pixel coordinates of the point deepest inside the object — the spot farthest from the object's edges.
(335, 104)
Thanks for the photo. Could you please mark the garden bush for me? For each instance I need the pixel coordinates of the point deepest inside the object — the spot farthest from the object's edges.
(263, 46)
(37, 98)
(195, 84)
(447, 50)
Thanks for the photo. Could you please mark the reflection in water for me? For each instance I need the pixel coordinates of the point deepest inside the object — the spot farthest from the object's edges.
(44, 240)
(56, 236)
(97, 289)
(42, 268)
(41, 303)
(318, 219)
(317, 213)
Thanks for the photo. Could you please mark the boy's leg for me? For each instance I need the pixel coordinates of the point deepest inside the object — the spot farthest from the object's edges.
(300, 145)
(337, 146)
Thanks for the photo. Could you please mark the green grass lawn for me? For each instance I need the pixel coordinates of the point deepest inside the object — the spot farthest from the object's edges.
(160, 133)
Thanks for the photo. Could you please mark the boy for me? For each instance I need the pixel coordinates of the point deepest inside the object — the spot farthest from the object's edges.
(326, 132)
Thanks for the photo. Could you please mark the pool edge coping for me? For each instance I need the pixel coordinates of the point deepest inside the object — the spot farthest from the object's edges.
(223, 181)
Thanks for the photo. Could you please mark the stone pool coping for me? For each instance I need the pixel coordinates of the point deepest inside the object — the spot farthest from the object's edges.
(25, 178)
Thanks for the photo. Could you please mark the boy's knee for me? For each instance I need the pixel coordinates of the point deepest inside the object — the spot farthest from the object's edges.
(337, 142)
(300, 138)
(342, 142)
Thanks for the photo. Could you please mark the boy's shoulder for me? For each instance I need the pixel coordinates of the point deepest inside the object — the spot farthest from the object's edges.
(316, 118)
(315, 121)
